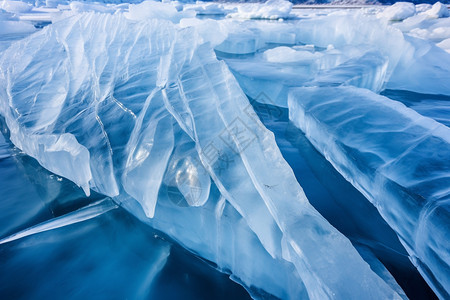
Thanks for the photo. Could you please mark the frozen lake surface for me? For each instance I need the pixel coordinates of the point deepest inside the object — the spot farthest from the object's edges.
(170, 150)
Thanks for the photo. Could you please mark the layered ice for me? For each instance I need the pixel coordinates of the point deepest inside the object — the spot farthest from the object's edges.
(161, 111)
(397, 158)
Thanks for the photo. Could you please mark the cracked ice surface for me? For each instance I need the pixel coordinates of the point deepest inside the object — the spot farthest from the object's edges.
(114, 124)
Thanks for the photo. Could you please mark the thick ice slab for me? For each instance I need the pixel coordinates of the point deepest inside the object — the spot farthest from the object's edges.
(397, 158)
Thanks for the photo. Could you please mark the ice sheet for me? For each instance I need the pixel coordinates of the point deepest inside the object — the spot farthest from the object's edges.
(397, 158)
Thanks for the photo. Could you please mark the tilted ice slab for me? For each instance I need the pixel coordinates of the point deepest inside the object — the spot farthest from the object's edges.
(109, 110)
(397, 158)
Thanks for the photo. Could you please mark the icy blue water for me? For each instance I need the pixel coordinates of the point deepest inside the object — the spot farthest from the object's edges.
(436, 107)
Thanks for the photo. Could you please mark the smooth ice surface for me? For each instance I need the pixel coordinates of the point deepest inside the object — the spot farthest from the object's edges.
(69, 251)
(436, 107)
(116, 121)
(397, 158)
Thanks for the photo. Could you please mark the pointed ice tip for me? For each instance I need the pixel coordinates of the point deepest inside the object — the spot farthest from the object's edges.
(85, 213)
(150, 213)
(86, 189)
(149, 210)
